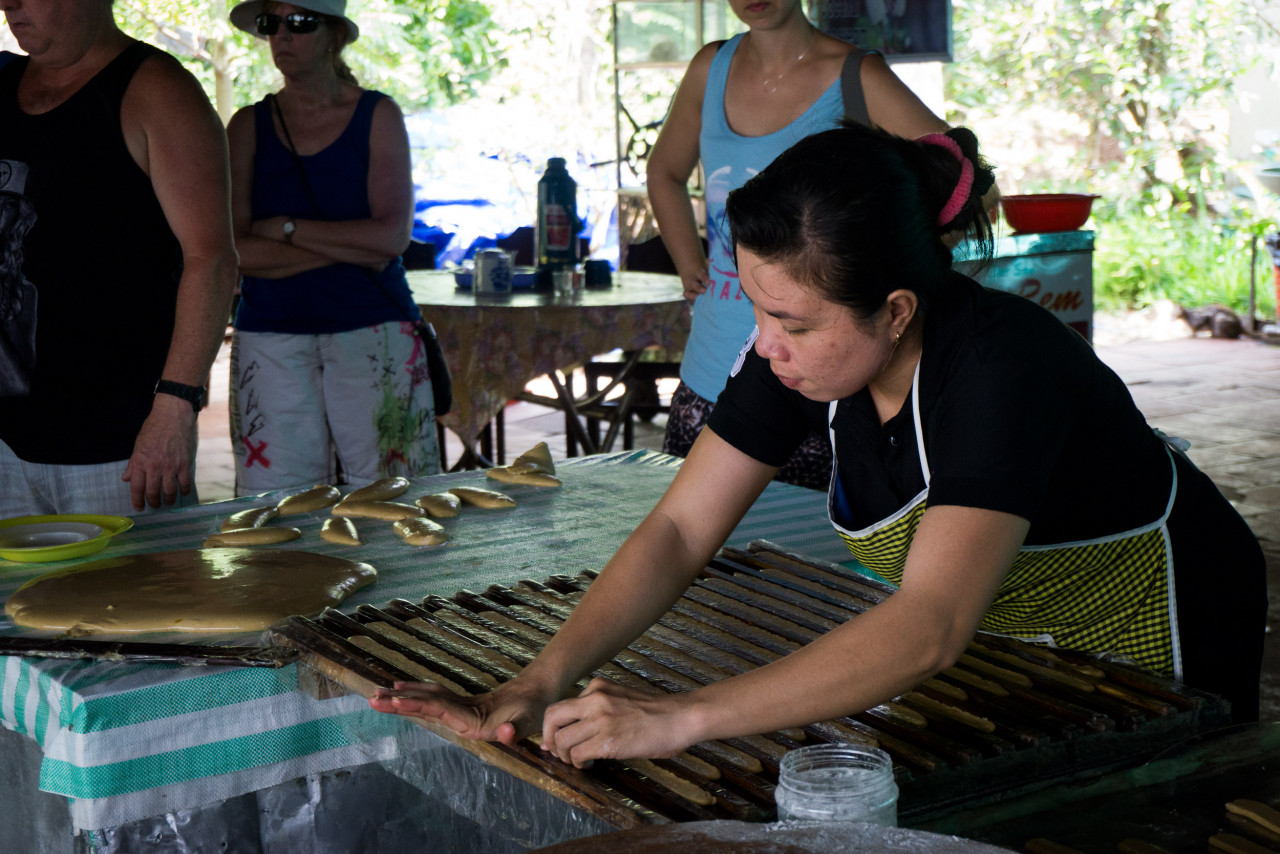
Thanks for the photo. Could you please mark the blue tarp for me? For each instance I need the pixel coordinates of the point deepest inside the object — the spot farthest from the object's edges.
(465, 201)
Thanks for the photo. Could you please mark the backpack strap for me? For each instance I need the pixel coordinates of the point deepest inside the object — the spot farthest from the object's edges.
(855, 101)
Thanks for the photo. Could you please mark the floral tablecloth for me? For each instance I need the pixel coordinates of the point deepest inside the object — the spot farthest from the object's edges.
(496, 344)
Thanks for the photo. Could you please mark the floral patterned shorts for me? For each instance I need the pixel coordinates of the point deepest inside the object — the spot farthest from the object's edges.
(298, 402)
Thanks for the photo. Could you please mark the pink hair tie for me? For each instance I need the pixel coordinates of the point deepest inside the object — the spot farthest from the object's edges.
(961, 193)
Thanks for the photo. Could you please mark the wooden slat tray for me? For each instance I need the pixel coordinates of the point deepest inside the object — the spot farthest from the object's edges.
(1008, 716)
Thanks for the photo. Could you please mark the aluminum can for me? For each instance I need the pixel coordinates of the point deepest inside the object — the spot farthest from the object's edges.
(492, 272)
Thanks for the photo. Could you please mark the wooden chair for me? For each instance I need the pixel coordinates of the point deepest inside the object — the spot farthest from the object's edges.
(493, 447)
(523, 242)
(640, 397)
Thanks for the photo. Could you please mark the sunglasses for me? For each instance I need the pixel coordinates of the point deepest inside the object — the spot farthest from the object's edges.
(299, 23)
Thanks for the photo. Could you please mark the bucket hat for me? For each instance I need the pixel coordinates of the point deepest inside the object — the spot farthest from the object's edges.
(244, 14)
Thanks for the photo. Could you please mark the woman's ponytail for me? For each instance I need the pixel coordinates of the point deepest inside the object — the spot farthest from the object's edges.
(958, 180)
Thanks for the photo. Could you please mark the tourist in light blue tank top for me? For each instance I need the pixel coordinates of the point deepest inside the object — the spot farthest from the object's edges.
(741, 104)
(722, 317)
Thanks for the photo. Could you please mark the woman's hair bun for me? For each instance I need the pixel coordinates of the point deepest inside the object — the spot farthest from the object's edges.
(984, 174)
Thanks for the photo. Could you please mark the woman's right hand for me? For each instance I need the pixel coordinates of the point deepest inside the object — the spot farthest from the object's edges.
(696, 285)
(507, 714)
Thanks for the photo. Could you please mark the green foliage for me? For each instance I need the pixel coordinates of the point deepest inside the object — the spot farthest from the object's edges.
(199, 34)
(1141, 256)
(426, 55)
(423, 54)
(1137, 76)
(1125, 98)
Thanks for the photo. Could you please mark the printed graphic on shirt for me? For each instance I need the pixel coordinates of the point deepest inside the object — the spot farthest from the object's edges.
(17, 295)
(724, 273)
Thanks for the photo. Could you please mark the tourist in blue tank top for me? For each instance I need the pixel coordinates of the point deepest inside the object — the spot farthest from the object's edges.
(741, 104)
(327, 369)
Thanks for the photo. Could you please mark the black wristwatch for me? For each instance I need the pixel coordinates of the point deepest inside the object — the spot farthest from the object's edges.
(196, 395)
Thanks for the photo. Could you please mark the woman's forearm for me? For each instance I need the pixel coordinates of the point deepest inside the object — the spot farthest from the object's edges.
(957, 560)
(638, 585)
(657, 562)
(265, 258)
(871, 659)
(673, 209)
(362, 241)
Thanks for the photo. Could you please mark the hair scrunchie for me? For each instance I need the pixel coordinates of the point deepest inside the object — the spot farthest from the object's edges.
(964, 186)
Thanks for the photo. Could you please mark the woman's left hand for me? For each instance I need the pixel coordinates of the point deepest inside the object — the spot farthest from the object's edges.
(608, 721)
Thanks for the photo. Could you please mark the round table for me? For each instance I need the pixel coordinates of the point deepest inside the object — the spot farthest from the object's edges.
(496, 343)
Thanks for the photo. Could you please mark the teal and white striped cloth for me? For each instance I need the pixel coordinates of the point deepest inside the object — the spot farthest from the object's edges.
(125, 741)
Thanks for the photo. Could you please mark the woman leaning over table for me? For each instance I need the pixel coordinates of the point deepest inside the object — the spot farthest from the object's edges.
(987, 463)
(741, 103)
(325, 357)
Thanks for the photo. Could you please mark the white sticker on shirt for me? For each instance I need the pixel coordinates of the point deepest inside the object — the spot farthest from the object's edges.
(746, 348)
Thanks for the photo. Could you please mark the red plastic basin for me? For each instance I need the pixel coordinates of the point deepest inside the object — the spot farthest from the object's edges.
(1047, 211)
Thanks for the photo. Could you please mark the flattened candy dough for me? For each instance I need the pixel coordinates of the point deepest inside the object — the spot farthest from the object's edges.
(317, 497)
(532, 468)
(529, 478)
(380, 490)
(486, 498)
(1257, 811)
(442, 505)
(254, 517)
(252, 537)
(537, 458)
(418, 531)
(388, 510)
(340, 530)
(194, 590)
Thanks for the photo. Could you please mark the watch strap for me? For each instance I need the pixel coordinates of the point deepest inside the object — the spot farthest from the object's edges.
(193, 394)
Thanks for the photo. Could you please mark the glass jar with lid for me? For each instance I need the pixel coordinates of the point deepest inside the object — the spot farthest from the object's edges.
(837, 782)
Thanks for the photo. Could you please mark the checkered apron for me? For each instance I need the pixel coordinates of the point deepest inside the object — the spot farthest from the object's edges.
(1112, 596)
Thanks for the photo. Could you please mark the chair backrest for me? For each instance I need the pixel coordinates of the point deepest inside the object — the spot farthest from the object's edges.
(419, 256)
(651, 256)
(523, 240)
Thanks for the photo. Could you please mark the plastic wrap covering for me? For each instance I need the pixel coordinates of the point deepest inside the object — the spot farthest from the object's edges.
(432, 797)
(427, 796)
(517, 814)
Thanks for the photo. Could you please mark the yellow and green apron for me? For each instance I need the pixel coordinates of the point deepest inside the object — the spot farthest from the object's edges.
(1111, 595)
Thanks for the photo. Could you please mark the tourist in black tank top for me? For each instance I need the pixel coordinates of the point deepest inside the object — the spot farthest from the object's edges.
(114, 178)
